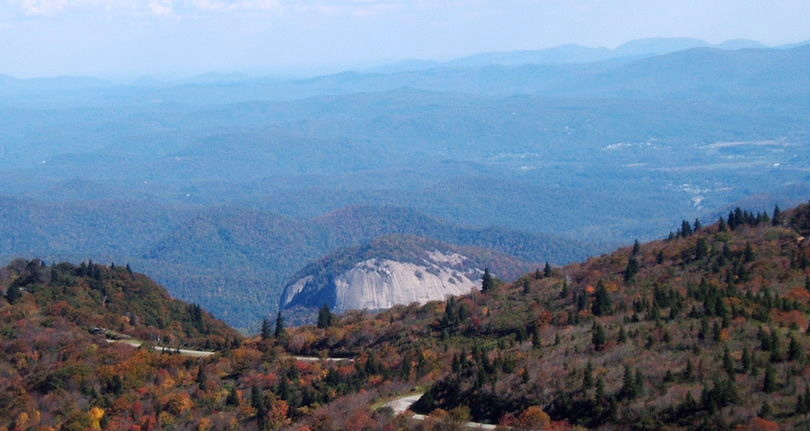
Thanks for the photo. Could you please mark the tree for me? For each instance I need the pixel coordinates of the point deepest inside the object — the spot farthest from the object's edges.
(769, 381)
(266, 329)
(233, 397)
(13, 293)
(702, 249)
(325, 317)
(279, 325)
(631, 270)
(527, 287)
(202, 379)
(587, 378)
(686, 229)
(598, 338)
(776, 219)
(636, 248)
(547, 270)
(601, 304)
(487, 283)
(795, 350)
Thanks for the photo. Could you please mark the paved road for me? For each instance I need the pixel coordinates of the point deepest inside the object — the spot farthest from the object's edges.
(183, 352)
(403, 403)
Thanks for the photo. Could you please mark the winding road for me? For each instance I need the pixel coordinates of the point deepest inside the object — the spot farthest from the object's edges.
(402, 404)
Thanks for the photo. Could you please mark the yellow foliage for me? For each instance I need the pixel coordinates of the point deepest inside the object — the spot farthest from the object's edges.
(22, 420)
(96, 414)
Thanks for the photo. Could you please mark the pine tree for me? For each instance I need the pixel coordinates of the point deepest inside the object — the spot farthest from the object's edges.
(769, 381)
(279, 326)
(233, 397)
(601, 304)
(598, 338)
(686, 229)
(728, 364)
(636, 248)
(721, 225)
(266, 329)
(689, 372)
(547, 270)
(13, 293)
(702, 250)
(696, 226)
(776, 219)
(129, 269)
(795, 350)
(487, 283)
(527, 287)
(746, 360)
(537, 274)
(631, 270)
(536, 340)
(202, 379)
(587, 378)
(622, 335)
(324, 317)
(748, 253)
(659, 258)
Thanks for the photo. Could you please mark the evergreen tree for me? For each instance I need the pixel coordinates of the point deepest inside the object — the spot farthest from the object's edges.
(631, 270)
(487, 283)
(13, 293)
(527, 287)
(696, 226)
(702, 249)
(636, 248)
(279, 326)
(233, 397)
(686, 229)
(536, 340)
(795, 350)
(748, 253)
(746, 360)
(601, 303)
(769, 381)
(622, 335)
(547, 270)
(324, 317)
(689, 371)
(776, 219)
(587, 378)
(659, 258)
(537, 274)
(266, 333)
(728, 364)
(598, 338)
(202, 379)
(721, 225)
(129, 269)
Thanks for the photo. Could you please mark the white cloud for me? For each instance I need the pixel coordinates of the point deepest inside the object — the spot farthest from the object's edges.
(166, 7)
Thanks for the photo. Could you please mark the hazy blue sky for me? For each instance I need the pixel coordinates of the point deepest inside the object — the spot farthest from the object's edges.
(127, 38)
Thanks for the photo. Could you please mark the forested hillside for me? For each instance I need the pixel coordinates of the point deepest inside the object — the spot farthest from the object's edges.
(706, 329)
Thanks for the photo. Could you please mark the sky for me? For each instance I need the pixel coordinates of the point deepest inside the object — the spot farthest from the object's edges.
(129, 38)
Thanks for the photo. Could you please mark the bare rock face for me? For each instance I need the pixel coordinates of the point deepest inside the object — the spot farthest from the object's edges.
(394, 270)
(377, 284)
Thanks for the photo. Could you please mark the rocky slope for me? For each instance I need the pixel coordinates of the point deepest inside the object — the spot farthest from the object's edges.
(395, 270)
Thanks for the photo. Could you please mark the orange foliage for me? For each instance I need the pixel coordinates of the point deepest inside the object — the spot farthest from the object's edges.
(758, 424)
